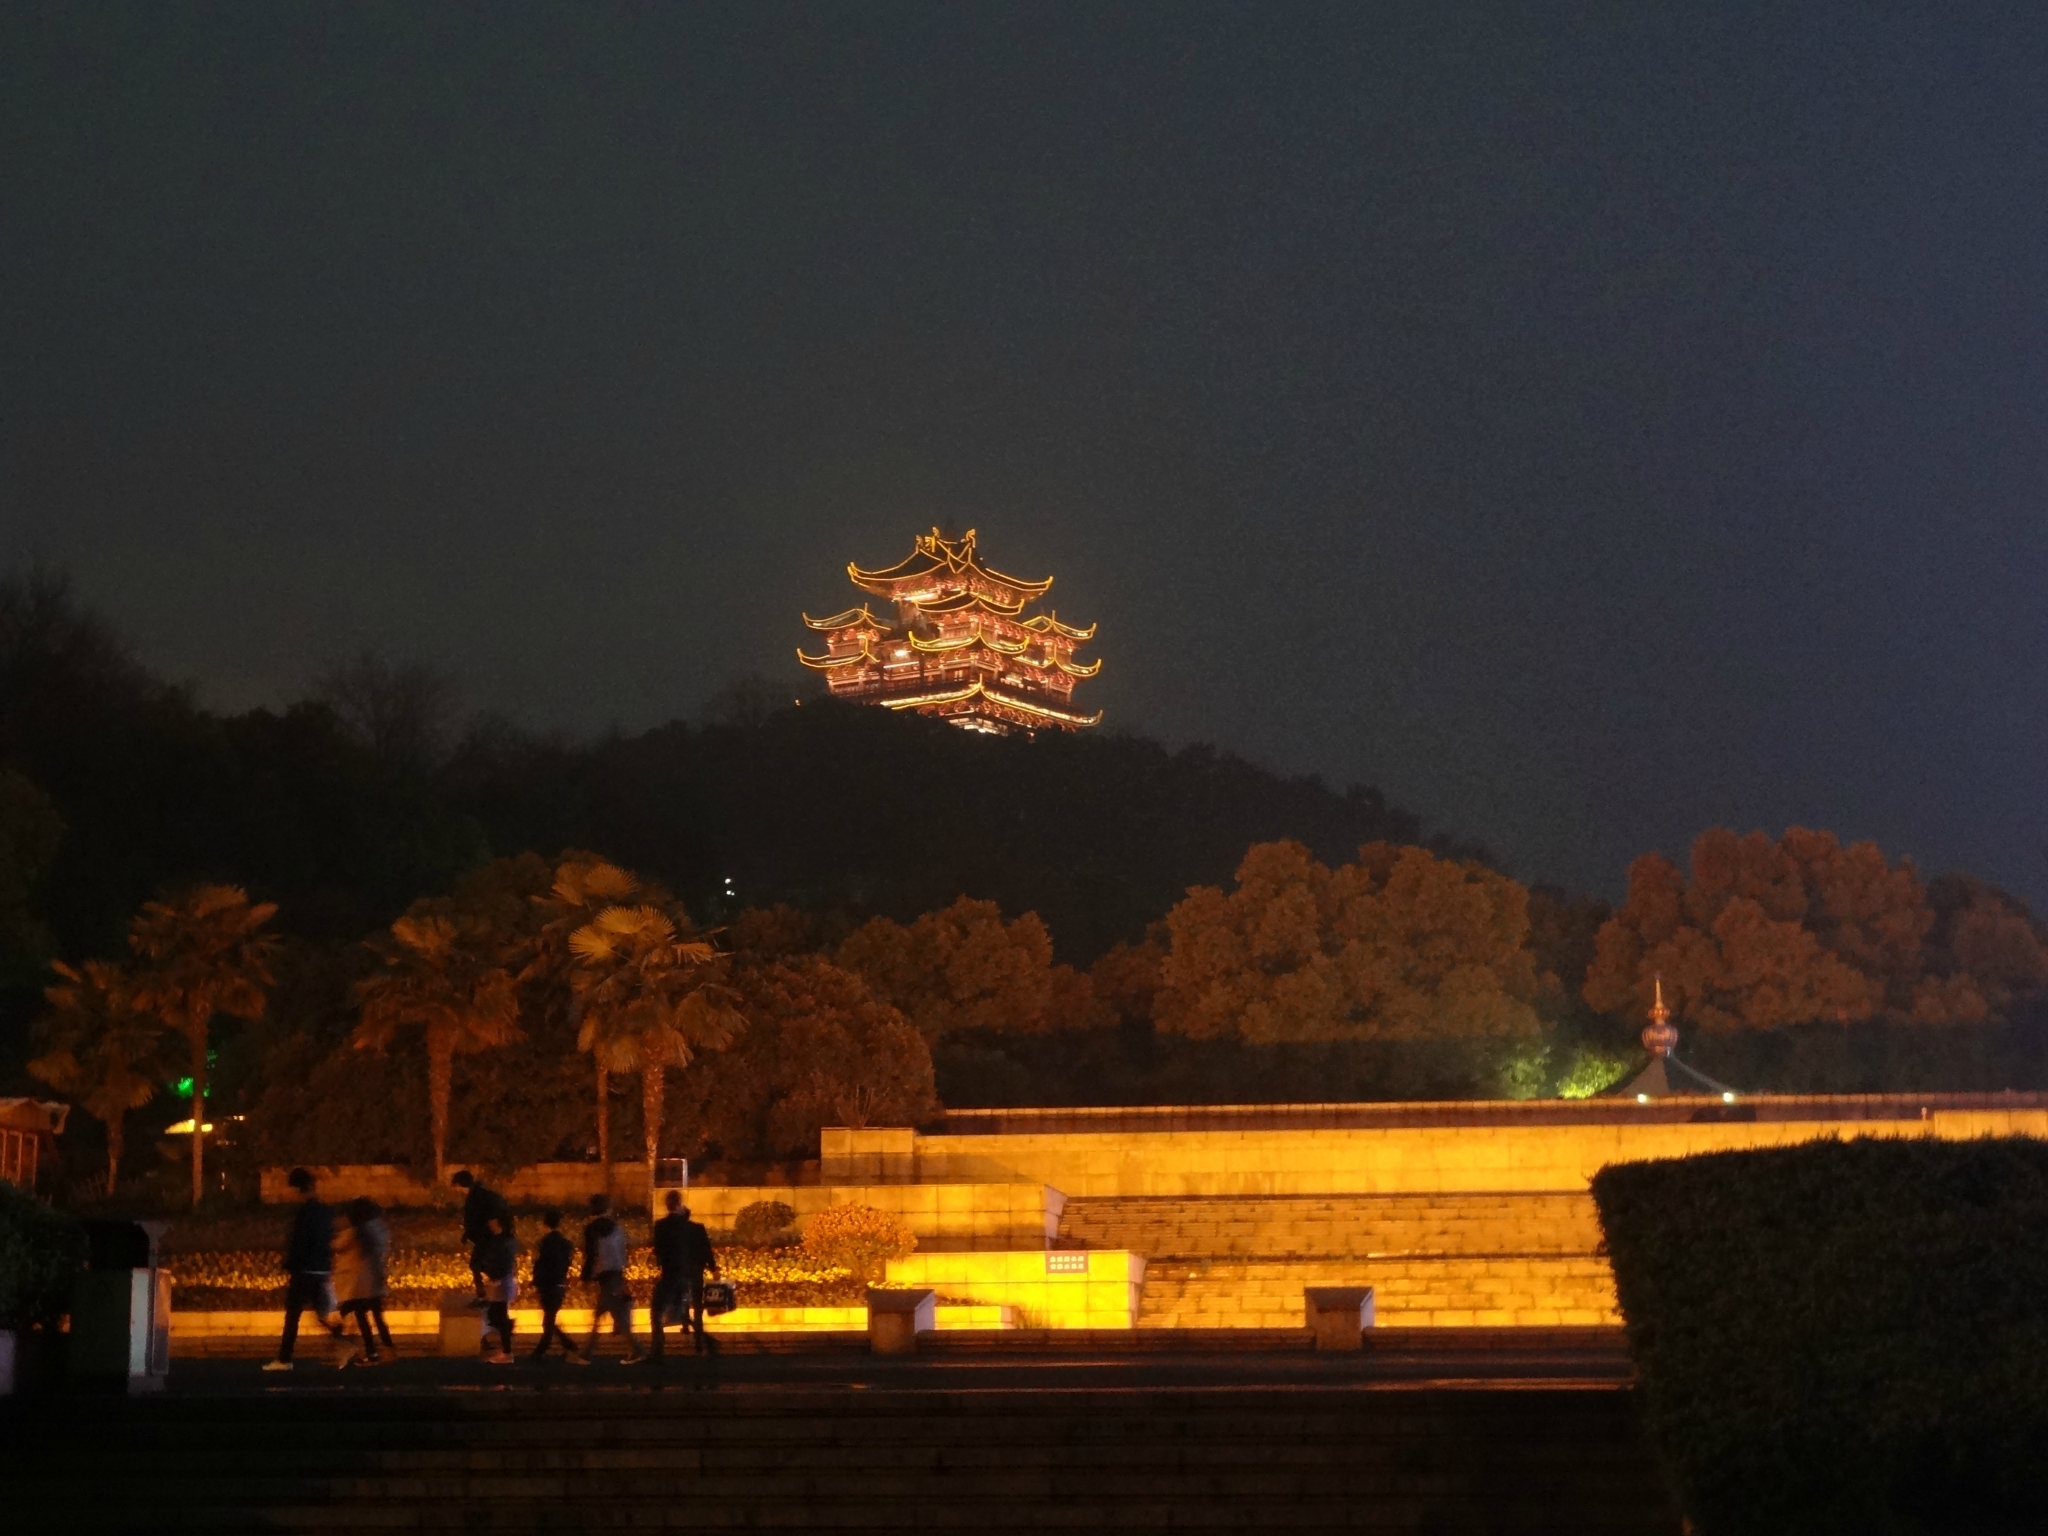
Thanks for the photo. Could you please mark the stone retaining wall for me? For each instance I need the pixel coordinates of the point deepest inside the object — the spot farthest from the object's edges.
(1393, 1160)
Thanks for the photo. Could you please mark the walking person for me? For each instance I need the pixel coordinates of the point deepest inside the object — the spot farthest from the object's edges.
(479, 1204)
(498, 1260)
(604, 1266)
(682, 1249)
(309, 1266)
(361, 1276)
(551, 1261)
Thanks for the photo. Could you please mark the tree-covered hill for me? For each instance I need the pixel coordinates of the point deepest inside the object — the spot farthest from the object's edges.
(342, 809)
(838, 807)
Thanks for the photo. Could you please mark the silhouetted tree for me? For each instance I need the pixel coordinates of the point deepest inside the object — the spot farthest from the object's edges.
(963, 967)
(650, 1000)
(200, 954)
(101, 1050)
(1760, 934)
(440, 970)
(1400, 945)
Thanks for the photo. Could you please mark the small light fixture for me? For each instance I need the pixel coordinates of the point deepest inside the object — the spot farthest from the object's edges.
(1727, 1098)
(1642, 1098)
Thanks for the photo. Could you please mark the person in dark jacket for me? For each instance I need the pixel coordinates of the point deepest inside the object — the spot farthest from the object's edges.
(551, 1261)
(682, 1249)
(479, 1204)
(498, 1258)
(604, 1266)
(309, 1264)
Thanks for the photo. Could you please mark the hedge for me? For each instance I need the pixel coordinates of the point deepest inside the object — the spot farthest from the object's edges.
(41, 1252)
(1841, 1336)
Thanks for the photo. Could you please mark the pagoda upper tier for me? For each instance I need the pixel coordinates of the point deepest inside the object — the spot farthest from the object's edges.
(952, 639)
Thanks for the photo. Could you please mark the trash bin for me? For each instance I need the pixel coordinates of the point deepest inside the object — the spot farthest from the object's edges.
(121, 1309)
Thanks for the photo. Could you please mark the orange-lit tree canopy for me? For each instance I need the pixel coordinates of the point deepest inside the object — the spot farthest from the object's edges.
(952, 640)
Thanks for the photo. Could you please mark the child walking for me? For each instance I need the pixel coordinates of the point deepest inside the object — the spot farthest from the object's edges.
(361, 1265)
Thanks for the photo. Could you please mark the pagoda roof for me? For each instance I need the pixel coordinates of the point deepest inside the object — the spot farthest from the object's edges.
(966, 642)
(1007, 652)
(1668, 1077)
(1049, 624)
(934, 554)
(848, 619)
(829, 663)
(962, 602)
(979, 689)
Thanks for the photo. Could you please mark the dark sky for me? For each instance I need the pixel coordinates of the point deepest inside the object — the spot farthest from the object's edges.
(1588, 423)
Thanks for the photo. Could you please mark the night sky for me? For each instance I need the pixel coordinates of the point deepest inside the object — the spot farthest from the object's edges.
(1590, 424)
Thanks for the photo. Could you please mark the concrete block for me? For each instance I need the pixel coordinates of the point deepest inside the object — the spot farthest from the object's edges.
(896, 1318)
(462, 1325)
(1338, 1314)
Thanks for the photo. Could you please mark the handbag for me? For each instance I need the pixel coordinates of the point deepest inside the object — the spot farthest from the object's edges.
(719, 1298)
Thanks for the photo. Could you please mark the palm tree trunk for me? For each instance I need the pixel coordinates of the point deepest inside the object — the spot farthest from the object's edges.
(114, 1151)
(440, 1073)
(650, 1114)
(604, 1125)
(198, 1115)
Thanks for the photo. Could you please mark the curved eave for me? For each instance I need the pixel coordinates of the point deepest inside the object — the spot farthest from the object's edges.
(965, 643)
(1015, 583)
(954, 556)
(937, 696)
(1079, 669)
(1046, 623)
(1002, 700)
(1041, 711)
(834, 663)
(961, 602)
(845, 620)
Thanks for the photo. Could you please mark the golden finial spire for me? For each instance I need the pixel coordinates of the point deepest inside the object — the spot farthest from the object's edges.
(1660, 1039)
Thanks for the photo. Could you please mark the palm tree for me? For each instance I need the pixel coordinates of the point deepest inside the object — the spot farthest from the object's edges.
(441, 973)
(650, 1001)
(103, 1051)
(200, 955)
(584, 886)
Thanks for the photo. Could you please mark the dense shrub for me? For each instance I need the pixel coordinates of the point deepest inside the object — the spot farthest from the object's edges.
(41, 1252)
(1842, 1336)
(858, 1238)
(760, 1224)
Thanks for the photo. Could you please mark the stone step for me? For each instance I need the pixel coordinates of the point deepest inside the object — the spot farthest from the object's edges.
(1446, 1293)
(1408, 1514)
(1260, 1458)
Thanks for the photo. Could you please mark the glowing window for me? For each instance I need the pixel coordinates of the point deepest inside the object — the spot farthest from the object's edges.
(1066, 1263)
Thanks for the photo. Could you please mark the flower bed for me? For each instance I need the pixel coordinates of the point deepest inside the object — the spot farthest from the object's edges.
(248, 1279)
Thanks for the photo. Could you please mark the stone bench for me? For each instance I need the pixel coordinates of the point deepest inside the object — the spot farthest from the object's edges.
(1338, 1315)
(896, 1318)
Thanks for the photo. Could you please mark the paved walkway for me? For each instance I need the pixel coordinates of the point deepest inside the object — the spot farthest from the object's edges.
(1393, 1358)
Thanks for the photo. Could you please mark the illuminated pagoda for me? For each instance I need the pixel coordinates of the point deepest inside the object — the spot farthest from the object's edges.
(949, 637)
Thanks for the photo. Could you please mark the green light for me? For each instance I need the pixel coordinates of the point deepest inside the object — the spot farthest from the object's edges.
(184, 1089)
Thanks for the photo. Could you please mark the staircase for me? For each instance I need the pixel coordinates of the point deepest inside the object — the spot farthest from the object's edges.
(935, 1460)
(1526, 1260)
